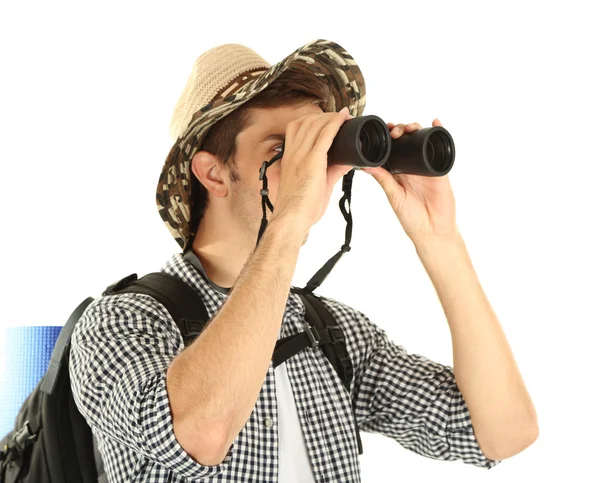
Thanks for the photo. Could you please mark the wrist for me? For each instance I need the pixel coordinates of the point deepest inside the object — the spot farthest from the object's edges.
(287, 227)
(449, 236)
(434, 246)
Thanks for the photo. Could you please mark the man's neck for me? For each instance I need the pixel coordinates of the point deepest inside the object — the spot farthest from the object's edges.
(221, 253)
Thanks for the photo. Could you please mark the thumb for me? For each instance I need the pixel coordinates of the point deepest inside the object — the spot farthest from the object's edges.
(383, 177)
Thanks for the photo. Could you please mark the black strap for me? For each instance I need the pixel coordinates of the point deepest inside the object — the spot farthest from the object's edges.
(61, 345)
(185, 305)
(336, 351)
(264, 192)
(311, 337)
(319, 277)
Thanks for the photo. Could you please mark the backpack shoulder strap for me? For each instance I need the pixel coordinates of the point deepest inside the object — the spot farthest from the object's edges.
(332, 342)
(183, 303)
(335, 351)
(62, 344)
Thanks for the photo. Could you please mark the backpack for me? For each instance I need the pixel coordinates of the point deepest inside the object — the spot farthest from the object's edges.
(51, 441)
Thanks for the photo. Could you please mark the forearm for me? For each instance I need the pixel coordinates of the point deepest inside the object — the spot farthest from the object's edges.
(213, 385)
(502, 412)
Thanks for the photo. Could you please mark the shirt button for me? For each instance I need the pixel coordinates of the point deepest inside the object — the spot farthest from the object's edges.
(268, 422)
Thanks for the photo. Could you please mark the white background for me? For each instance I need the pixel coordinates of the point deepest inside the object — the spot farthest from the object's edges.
(87, 91)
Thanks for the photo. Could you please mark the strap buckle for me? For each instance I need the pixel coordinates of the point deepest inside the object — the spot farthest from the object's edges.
(333, 329)
(262, 170)
(192, 327)
(23, 437)
(313, 335)
(347, 181)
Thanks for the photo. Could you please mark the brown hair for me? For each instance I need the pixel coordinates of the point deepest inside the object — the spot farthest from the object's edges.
(292, 87)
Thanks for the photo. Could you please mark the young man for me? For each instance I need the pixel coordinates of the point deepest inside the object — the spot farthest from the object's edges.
(218, 410)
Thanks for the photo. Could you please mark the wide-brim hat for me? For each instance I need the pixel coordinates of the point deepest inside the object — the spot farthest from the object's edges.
(222, 79)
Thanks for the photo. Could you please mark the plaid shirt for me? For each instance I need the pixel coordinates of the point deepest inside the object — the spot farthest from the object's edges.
(123, 344)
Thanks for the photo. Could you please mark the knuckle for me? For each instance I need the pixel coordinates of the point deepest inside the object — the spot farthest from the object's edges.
(323, 134)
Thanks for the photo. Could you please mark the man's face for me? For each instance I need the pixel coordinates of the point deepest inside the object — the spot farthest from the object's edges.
(258, 143)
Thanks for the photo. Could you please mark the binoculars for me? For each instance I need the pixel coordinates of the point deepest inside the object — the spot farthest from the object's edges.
(365, 141)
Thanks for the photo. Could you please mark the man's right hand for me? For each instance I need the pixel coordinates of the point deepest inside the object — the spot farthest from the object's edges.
(306, 181)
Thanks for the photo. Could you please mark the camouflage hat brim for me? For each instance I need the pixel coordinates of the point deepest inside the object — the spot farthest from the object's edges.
(325, 59)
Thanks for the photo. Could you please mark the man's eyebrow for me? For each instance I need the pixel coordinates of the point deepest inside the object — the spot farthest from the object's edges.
(274, 137)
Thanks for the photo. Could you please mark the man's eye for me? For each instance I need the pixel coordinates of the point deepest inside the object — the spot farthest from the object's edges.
(278, 146)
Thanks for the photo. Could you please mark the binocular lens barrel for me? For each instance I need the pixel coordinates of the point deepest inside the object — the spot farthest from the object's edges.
(372, 141)
(365, 141)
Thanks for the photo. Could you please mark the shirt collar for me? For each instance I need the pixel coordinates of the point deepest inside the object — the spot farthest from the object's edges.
(192, 258)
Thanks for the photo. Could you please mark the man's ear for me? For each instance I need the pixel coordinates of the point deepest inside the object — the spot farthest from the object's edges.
(210, 172)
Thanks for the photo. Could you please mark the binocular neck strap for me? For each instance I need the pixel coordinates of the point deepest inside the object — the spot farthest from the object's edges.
(264, 192)
(322, 273)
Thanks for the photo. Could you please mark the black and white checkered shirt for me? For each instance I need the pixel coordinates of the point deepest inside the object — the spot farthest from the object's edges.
(123, 345)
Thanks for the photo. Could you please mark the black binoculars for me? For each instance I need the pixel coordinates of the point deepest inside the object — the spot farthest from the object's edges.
(365, 141)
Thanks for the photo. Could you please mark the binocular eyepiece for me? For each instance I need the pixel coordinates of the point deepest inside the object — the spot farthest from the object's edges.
(365, 141)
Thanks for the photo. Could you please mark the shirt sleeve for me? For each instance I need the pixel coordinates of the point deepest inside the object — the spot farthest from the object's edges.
(411, 399)
(121, 348)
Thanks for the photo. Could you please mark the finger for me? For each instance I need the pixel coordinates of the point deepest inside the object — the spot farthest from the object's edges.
(294, 137)
(318, 123)
(328, 132)
(397, 131)
(310, 130)
(436, 122)
(383, 177)
(413, 126)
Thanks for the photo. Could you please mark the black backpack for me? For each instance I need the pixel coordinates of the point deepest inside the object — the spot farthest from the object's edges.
(51, 441)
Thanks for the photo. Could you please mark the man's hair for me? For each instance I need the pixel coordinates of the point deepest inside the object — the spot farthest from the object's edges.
(293, 86)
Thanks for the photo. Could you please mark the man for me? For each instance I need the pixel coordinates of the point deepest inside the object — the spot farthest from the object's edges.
(218, 410)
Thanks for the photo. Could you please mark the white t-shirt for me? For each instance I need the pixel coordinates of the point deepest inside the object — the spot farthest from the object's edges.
(294, 465)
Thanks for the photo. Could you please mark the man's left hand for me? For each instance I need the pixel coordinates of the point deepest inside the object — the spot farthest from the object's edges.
(424, 205)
